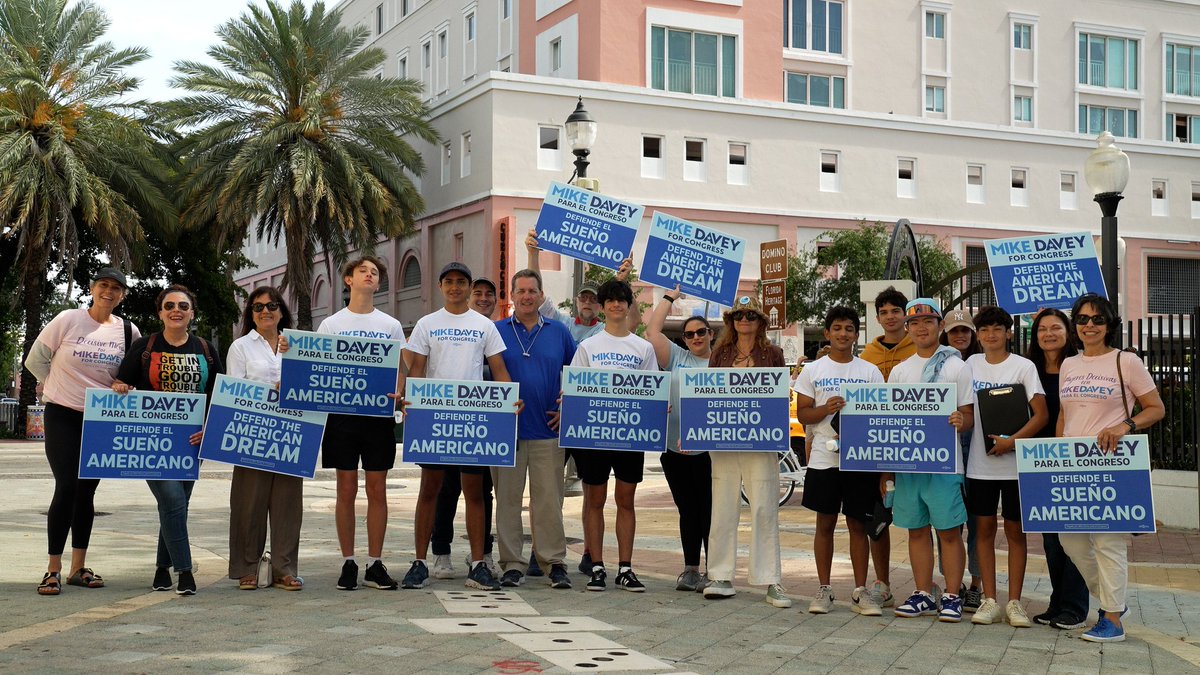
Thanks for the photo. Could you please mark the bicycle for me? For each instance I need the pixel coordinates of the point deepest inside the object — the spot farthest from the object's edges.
(791, 476)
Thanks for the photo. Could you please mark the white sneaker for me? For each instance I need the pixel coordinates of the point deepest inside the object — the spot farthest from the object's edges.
(443, 568)
(988, 613)
(1017, 618)
(822, 602)
(863, 602)
(881, 593)
(777, 597)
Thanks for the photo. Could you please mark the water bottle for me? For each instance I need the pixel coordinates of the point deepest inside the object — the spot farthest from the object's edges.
(889, 493)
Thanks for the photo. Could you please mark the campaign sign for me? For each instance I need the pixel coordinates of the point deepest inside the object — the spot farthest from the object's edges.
(899, 428)
(611, 409)
(339, 374)
(1070, 485)
(587, 225)
(460, 422)
(706, 263)
(734, 409)
(1052, 270)
(246, 427)
(142, 435)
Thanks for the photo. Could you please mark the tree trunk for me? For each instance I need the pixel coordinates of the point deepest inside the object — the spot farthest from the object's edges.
(32, 301)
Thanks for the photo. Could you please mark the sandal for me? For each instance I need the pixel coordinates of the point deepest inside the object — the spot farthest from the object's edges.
(85, 577)
(248, 582)
(50, 584)
(289, 583)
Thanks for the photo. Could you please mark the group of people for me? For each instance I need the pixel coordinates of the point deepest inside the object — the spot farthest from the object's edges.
(94, 347)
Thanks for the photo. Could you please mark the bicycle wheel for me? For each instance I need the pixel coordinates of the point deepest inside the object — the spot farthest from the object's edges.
(788, 468)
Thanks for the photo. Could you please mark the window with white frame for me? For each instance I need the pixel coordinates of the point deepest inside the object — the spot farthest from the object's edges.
(693, 160)
(465, 156)
(469, 43)
(1068, 198)
(1018, 187)
(1182, 67)
(405, 8)
(447, 153)
(427, 66)
(935, 25)
(402, 65)
(824, 91)
(1158, 198)
(831, 176)
(1118, 121)
(379, 20)
(555, 55)
(653, 164)
(1195, 199)
(549, 156)
(692, 62)
(506, 7)
(1022, 36)
(1022, 108)
(1109, 62)
(459, 246)
(935, 99)
(906, 177)
(443, 61)
(975, 188)
(1172, 285)
(738, 169)
(814, 25)
(1182, 128)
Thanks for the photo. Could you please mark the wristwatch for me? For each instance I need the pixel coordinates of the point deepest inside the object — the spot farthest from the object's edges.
(1132, 424)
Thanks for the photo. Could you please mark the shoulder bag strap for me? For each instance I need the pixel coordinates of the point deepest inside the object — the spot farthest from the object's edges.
(1121, 377)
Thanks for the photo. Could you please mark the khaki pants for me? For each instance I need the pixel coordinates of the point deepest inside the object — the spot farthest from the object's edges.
(1103, 560)
(760, 472)
(542, 461)
(254, 498)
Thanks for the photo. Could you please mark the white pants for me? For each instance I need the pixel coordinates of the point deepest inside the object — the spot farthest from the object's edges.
(760, 473)
(1103, 560)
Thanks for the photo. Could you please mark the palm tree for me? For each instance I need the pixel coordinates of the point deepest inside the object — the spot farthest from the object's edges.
(75, 156)
(293, 129)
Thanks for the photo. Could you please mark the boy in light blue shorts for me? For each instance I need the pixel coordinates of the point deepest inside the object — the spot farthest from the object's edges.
(924, 500)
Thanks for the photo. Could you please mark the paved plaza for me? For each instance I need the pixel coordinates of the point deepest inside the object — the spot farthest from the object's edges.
(445, 628)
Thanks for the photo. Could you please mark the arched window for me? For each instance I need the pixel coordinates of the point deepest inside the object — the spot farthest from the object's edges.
(411, 276)
(384, 277)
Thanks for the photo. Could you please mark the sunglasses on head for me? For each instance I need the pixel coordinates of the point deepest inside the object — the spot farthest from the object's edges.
(1094, 319)
(744, 315)
(259, 306)
(921, 310)
(183, 306)
(699, 332)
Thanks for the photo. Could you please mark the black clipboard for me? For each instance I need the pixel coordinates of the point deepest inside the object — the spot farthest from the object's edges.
(1002, 412)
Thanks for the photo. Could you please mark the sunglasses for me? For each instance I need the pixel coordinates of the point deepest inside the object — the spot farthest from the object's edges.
(1094, 319)
(699, 332)
(921, 310)
(183, 306)
(744, 315)
(258, 306)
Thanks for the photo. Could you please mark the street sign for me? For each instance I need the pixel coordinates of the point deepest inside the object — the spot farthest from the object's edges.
(773, 268)
(775, 304)
(773, 259)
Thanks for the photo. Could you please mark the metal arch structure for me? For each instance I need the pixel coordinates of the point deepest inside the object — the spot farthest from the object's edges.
(903, 249)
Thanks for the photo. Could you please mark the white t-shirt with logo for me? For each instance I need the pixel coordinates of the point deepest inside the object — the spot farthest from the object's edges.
(377, 324)
(821, 380)
(954, 370)
(456, 344)
(1013, 370)
(604, 350)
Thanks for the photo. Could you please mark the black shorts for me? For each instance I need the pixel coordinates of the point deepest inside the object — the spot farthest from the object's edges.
(853, 493)
(983, 496)
(469, 469)
(349, 438)
(595, 465)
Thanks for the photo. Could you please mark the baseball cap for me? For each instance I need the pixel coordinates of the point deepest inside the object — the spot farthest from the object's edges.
(484, 280)
(922, 307)
(588, 287)
(111, 273)
(455, 267)
(958, 317)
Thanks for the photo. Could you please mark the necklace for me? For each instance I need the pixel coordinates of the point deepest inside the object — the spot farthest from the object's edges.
(525, 350)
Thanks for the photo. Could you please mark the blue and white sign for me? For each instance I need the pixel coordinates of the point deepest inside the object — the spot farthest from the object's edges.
(246, 427)
(1069, 485)
(140, 435)
(460, 422)
(339, 374)
(612, 409)
(734, 409)
(706, 263)
(1051, 270)
(587, 225)
(899, 428)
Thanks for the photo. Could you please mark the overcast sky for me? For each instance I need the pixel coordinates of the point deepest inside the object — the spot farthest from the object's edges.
(172, 30)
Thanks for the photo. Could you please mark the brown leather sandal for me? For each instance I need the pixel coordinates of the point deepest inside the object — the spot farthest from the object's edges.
(85, 577)
(248, 582)
(289, 583)
(50, 584)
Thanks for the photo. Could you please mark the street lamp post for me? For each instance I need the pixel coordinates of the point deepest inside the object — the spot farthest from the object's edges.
(581, 135)
(1107, 173)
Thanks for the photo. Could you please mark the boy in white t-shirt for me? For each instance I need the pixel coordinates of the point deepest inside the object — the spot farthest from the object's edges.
(614, 347)
(925, 500)
(992, 465)
(452, 344)
(829, 490)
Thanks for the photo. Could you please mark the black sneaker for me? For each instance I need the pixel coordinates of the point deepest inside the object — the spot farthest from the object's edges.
(511, 579)
(534, 569)
(972, 599)
(1067, 621)
(162, 579)
(376, 576)
(348, 581)
(585, 563)
(1045, 617)
(629, 581)
(481, 577)
(559, 577)
(186, 585)
(596, 583)
(417, 576)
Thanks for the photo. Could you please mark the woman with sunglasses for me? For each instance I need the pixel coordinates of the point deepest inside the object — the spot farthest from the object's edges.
(172, 360)
(743, 344)
(689, 474)
(256, 496)
(1087, 410)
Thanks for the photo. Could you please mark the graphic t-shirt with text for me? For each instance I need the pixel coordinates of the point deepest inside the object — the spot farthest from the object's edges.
(456, 345)
(605, 350)
(166, 367)
(821, 380)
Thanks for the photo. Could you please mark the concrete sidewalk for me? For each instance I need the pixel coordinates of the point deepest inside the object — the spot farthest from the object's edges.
(125, 627)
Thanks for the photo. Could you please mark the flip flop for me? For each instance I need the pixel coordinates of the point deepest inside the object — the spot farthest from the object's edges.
(50, 584)
(86, 578)
(289, 583)
(248, 582)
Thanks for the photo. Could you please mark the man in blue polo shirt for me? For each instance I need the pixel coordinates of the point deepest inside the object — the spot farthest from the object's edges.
(535, 352)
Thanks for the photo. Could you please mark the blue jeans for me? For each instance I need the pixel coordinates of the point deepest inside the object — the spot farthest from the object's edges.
(1069, 592)
(174, 549)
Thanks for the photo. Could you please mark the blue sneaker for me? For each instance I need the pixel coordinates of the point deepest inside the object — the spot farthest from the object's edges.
(585, 564)
(1105, 631)
(952, 606)
(919, 603)
(417, 576)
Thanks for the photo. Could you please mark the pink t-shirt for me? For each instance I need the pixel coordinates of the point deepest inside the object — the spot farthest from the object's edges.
(86, 354)
(1090, 391)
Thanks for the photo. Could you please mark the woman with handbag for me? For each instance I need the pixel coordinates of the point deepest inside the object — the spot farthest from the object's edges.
(1099, 388)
